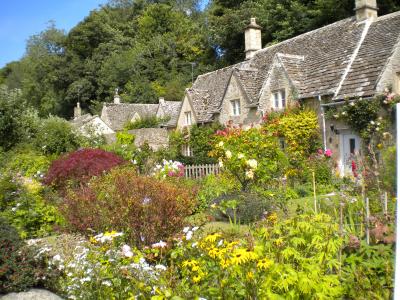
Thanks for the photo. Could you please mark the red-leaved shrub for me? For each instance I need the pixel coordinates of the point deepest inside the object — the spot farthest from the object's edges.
(146, 209)
(80, 166)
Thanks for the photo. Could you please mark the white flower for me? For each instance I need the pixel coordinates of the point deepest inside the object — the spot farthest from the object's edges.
(228, 154)
(220, 163)
(186, 229)
(127, 251)
(195, 228)
(160, 244)
(161, 267)
(14, 209)
(194, 245)
(221, 144)
(250, 174)
(85, 279)
(352, 104)
(57, 257)
(372, 122)
(220, 243)
(252, 163)
(189, 235)
(107, 282)
(240, 155)
(344, 113)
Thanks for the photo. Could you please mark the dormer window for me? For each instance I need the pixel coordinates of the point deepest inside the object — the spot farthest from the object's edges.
(279, 99)
(235, 107)
(188, 118)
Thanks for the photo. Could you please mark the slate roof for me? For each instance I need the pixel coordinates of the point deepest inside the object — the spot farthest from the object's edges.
(330, 60)
(203, 105)
(250, 81)
(116, 115)
(169, 109)
(82, 120)
(374, 52)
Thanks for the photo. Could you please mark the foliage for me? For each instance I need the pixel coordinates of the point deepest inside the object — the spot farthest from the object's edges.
(125, 138)
(212, 187)
(201, 140)
(252, 156)
(147, 122)
(388, 168)
(27, 163)
(80, 166)
(368, 272)
(18, 268)
(297, 257)
(15, 120)
(56, 136)
(23, 206)
(147, 208)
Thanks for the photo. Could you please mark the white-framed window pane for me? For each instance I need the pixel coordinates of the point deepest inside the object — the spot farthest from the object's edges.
(283, 98)
(188, 118)
(276, 100)
(235, 107)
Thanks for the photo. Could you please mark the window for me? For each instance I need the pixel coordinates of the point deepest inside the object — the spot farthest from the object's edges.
(396, 89)
(235, 107)
(186, 150)
(188, 118)
(279, 99)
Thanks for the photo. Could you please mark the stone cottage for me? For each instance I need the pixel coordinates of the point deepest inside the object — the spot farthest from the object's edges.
(115, 115)
(353, 58)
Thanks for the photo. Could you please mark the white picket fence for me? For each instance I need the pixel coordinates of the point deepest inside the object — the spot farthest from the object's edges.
(199, 171)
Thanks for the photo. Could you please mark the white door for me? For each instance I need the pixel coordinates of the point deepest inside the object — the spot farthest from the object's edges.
(350, 146)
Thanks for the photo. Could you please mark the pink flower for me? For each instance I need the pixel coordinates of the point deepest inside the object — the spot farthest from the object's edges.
(320, 151)
(328, 152)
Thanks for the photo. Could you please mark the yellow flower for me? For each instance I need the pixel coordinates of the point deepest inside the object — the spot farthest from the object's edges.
(273, 218)
(228, 154)
(241, 256)
(190, 263)
(264, 264)
(279, 241)
(211, 238)
(249, 276)
(93, 240)
(196, 278)
(195, 268)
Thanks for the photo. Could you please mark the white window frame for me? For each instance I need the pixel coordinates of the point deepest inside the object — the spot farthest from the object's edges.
(278, 99)
(188, 118)
(235, 104)
(186, 150)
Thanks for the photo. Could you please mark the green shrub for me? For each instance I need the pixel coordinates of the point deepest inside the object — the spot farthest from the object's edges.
(23, 206)
(17, 264)
(56, 136)
(147, 122)
(28, 163)
(212, 187)
(368, 272)
(242, 207)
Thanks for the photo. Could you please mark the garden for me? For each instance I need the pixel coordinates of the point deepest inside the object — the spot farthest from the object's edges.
(90, 220)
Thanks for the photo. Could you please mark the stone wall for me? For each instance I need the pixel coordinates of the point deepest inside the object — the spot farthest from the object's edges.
(185, 108)
(157, 138)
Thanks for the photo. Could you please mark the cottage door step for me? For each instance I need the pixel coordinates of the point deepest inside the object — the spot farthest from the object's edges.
(350, 147)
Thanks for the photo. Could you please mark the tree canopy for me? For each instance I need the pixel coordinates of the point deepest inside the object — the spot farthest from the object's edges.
(148, 48)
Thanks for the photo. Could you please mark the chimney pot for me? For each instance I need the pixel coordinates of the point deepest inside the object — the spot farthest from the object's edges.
(366, 10)
(252, 36)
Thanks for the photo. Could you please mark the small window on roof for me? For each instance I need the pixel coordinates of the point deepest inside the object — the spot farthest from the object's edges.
(279, 99)
(235, 107)
(188, 118)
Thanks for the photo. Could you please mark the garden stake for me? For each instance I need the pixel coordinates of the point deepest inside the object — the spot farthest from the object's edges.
(341, 235)
(315, 193)
(385, 199)
(367, 218)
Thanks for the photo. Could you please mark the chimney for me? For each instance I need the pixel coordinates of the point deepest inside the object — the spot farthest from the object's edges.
(366, 10)
(117, 99)
(252, 36)
(77, 110)
(161, 101)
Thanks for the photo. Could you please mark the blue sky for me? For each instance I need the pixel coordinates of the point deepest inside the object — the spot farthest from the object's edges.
(19, 19)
